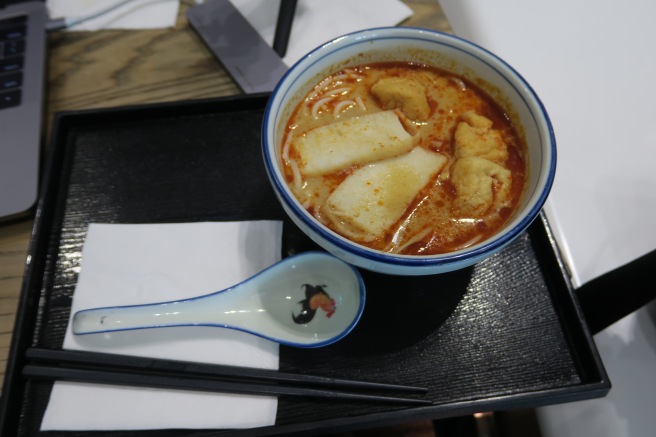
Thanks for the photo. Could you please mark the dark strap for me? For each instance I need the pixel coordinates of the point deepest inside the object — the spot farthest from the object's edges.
(618, 293)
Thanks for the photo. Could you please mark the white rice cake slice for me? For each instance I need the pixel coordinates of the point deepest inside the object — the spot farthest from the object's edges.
(355, 141)
(370, 200)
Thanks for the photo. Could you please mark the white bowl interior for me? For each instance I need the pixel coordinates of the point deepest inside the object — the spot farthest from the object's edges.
(438, 50)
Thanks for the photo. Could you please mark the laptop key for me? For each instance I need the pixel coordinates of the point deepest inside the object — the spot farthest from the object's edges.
(14, 32)
(10, 98)
(11, 80)
(13, 21)
(11, 64)
(14, 47)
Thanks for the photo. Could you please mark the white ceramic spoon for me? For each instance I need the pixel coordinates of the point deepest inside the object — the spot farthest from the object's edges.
(307, 300)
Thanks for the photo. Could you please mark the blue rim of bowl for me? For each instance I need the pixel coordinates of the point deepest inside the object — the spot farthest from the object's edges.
(344, 333)
(497, 242)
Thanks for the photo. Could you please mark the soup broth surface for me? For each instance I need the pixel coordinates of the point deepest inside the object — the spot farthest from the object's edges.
(459, 193)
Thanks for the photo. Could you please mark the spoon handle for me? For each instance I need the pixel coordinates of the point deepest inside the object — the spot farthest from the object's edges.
(201, 310)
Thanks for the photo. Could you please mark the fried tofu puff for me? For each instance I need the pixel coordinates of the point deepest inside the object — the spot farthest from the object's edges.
(404, 94)
(475, 137)
(480, 185)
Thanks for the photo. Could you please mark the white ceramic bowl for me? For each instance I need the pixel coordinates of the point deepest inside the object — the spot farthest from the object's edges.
(440, 50)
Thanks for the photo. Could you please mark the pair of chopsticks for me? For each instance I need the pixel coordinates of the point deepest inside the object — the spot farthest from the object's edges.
(112, 369)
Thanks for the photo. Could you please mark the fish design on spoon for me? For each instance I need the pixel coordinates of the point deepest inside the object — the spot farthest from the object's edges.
(315, 298)
(260, 305)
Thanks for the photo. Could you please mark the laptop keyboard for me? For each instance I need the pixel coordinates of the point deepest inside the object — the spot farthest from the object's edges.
(12, 46)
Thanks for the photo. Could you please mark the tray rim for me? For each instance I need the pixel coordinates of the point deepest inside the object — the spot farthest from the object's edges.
(23, 332)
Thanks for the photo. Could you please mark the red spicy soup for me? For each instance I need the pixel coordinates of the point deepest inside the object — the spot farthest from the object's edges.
(404, 158)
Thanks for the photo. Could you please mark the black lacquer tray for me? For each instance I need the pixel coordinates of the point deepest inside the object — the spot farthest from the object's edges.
(505, 333)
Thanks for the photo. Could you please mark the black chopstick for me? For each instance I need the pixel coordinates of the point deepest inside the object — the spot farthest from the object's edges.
(194, 369)
(284, 26)
(114, 369)
(144, 379)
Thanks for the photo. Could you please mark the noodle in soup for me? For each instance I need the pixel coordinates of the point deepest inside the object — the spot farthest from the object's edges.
(404, 158)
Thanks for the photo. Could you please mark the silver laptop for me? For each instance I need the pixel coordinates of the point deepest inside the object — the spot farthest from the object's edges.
(22, 77)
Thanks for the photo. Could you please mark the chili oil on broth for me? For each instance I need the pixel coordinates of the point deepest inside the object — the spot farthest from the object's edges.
(431, 224)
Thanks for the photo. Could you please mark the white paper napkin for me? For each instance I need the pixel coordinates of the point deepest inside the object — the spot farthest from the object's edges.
(136, 14)
(316, 22)
(134, 264)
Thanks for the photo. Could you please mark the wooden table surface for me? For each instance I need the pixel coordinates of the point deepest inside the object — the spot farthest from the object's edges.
(124, 67)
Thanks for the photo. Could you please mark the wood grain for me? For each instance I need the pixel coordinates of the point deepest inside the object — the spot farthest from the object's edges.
(127, 67)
